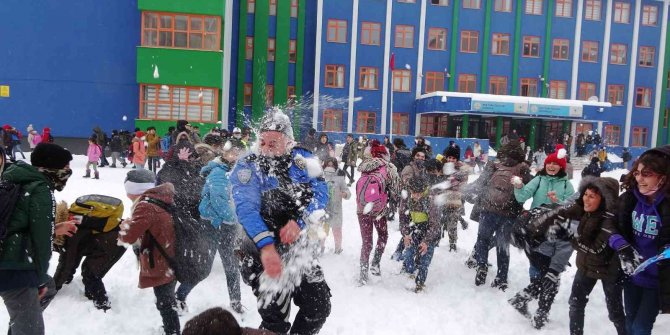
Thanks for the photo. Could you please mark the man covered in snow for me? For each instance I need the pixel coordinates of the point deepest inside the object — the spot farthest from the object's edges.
(277, 194)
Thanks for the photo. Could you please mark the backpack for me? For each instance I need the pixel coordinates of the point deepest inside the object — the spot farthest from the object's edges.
(402, 158)
(195, 246)
(166, 143)
(9, 196)
(99, 213)
(500, 189)
(530, 228)
(371, 189)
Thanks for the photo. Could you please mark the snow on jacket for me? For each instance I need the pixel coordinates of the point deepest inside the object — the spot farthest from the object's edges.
(31, 225)
(338, 190)
(265, 199)
(425, 220)
(393, 182)
(153, 145)
(216, 202)
(187, 181)
(350, 153)
(139, 151)
(489, 201)
(412, 171)
(151, 218)
(93, 153)
(542, 184)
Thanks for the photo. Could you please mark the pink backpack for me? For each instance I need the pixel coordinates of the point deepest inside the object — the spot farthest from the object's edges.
(371, 189)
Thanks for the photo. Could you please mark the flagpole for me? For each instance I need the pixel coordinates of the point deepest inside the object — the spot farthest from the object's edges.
(391, 123)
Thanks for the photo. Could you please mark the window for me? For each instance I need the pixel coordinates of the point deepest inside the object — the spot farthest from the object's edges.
(251, 6)
(500, 44)
(621, 12)
(586, 90)
(619, 54)
(294, 8)
(528, 87)
(163, 102)
(332, 120)
(590, 51)
(531, 46)
(370, 33)
(249, 48)
(647, 56)
(247, 94)
(469, 41)
(467, 83)
(612, 134)
(273, 7)
(368, 78)
(269, 95)
(437, 39)
(592, 10)
(337, 31)
(434, 81)
(563, 8)
(366, 122)
(649, 15)
(557, 89)
(440, 2)
(290, 92)
(643, 97)
(181, 31)
(271, 49)
(400, 124)
(334, 76)
(407, 1)
(404, 36)
(639, 138)
(615, 94)
(433, 125)
(401, 80)
(498, 85)
(534, 7)
(666, 117)
(503, 5)
(561, 49)
(292, 51)
(472, 4)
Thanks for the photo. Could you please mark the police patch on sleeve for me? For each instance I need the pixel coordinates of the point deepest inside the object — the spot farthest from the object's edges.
(300, 162)
(244, 175)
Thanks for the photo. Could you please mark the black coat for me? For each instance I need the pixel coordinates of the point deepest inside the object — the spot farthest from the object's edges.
(187, 181)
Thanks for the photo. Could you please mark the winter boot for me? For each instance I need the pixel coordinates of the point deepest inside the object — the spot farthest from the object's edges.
(464, 223)
(237, 307)
(374, 267)
(500, 284)
(520, 303)
(102, 304)
(113, 166)
(181, 308)
(480, 277)
(539, 320)
(97, 175)
(88, 174)
(363, 279)
(419, 288)
(452, 247)
(471, 263)
(124, 164)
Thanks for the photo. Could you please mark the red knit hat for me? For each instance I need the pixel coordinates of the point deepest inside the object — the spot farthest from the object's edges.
(377, 150)
(139, 134)
(558, 157)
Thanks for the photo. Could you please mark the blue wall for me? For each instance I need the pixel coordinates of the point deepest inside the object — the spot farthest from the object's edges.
(70, 65)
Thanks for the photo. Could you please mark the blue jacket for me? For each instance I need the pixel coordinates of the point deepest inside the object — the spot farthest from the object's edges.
(216, 203)
(249, 183)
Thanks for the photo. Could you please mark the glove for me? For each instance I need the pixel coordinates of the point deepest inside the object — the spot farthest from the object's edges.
(629, 258)
(550, 281)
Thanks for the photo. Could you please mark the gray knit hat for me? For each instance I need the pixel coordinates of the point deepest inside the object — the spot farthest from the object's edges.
(138, 181)
(276, 120)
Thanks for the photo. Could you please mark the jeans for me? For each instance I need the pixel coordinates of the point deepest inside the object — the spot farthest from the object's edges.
(641, 308)
(25, 312)
(501, 226)
(367, 223)
(579, 297)
(118, 156)
(17, 148)
(231, 266)
(349, 175)
(153, 163)
(166, 305)
(413, 259)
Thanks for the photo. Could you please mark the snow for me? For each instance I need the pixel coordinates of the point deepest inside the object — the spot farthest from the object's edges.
(614, 158)
(451, 304)
(156, 74)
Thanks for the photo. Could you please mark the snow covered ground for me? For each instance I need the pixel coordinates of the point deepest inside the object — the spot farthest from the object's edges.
(451, 303)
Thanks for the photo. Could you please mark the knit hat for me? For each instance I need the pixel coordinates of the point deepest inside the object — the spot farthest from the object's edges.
(6, 127)
(452, 152)
(237, 130)
(139, 134)
(50, 156)
(213, 139)
(181, 125)
(558, 157)
(139, 181)
(276, 120)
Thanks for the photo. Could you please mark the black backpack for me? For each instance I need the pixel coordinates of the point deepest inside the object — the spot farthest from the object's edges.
(195, 246)
(9, 196)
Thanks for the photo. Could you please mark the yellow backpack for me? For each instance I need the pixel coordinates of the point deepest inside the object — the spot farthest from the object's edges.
(99, 213)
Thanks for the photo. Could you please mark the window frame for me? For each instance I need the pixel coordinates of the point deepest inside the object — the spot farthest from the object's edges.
(251, 6)
(643, 97)
(336, 70)
(611, 132)
(558, 88)
(249, 48)
(363, 119)
(247, 94)
(621, 8)
(566, 6)
(292, 51)
(647, 14)
(646, 51)
(561, 43)
(531, 7)
(273, 7)
(294, 8)
(615, 91)
(596, 7)
(404, 77)
(371, 28)
(172, 31)
(497, 41)
(433, 81)
(471, 34)
(498, 83)
(431, 32)
(269, 95)
(502, 6)
(619, 47)
(638, 136)
(440, 3)
(404, 30)
(364, 71)
(187, 104)
(465, 80)
(587, 49)
(586, 90)
(530, 39)
(532, 83)
(472, 4)
(400, 124)
(272, 49)
(329, 120)
(335, 24)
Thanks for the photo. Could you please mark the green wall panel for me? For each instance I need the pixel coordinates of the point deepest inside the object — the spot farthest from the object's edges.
(179, 67)
(281, 51)
(162, 126)
(241, 64)
(261, 23)
(205, 7)
(454, 46)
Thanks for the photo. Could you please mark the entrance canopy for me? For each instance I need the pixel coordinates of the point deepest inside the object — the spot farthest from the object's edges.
(511, 106)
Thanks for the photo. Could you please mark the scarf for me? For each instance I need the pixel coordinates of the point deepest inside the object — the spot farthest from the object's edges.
(58, 177)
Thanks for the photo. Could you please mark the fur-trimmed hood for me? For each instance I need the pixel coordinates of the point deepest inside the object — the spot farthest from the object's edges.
(608, 187)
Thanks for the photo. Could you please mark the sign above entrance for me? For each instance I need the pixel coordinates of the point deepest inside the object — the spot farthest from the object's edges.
(528, 109)
(556, 111)
(499, 107)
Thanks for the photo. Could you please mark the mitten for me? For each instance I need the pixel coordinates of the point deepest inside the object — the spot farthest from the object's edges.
(629, 258)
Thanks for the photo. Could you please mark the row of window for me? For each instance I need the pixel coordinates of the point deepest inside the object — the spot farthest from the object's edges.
(272, 48)
(251, 7)
(163, 102)
(500, 43)
(368, 79)
(269, 94)
(563, 8)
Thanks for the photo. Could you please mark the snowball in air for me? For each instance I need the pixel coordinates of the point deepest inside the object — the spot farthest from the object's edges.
(124, 118)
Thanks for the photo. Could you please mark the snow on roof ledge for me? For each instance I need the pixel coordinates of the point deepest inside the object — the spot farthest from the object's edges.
(516, 99)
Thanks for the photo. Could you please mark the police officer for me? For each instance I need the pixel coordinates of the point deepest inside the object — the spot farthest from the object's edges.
(277, 195)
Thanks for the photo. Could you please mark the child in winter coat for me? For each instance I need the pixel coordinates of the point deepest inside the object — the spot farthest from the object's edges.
(456, 175)
(94, 152)
(139, 150)
(422, 235)
(153, 149)
(337, 190)
(36, 139)
(117, 148)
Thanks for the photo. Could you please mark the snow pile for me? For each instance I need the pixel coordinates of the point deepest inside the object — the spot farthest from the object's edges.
(614, 158)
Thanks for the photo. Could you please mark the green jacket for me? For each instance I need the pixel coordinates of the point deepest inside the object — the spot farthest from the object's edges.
(31, 227)
(539, 186)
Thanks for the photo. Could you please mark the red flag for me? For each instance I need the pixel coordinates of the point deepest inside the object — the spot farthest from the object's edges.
(392, 62)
